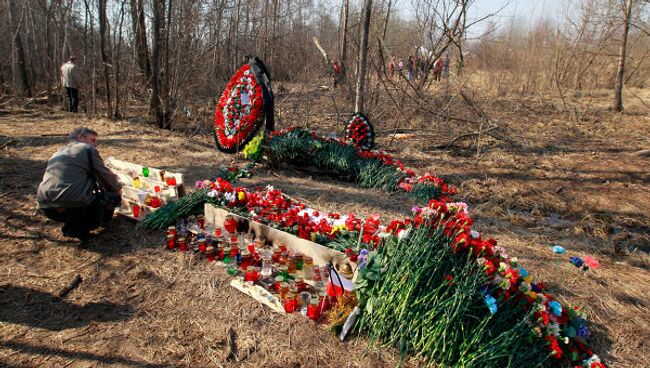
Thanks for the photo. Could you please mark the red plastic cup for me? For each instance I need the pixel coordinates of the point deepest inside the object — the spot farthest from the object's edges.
(136, 210)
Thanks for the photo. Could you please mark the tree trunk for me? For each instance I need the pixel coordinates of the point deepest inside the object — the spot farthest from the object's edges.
(343, 41)
(166, 98)
(158, 19)
(620, 73)
(106, 59)
(20, 52)
(140, 36)
(363, 57)
(117, 67)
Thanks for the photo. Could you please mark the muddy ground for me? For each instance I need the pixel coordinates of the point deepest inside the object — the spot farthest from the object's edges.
(547, 178)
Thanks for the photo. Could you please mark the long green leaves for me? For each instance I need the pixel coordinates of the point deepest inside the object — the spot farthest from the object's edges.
(429, 302)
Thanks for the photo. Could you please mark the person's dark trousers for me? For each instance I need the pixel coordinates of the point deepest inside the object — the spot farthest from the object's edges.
(73, 98)
(79, 221)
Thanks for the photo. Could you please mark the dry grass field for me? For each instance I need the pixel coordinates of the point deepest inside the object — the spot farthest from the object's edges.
(549, 178)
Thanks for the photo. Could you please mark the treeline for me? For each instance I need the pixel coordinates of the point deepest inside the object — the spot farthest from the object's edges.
(173, 55)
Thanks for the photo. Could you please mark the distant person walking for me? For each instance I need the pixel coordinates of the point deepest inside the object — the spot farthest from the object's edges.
(437, 69)
(71, 81)
(410, 68)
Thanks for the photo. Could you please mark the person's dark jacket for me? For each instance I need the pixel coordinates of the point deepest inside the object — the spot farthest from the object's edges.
(67, 182)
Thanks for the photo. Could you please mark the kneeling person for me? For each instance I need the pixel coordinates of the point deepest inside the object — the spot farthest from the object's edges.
(77, 188)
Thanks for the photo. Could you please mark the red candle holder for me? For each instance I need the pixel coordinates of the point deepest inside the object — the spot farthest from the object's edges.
(203, 246)
(290, 303)
(136, 210)
(278, 283)
(201, 221)
(276, 255)
(313, 310)
(251, 274)
(209, 253)
(171, 242)
(171, 181)
(182, 244)
(155, 202)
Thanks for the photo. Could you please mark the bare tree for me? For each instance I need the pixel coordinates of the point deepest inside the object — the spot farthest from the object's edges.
(16, 20)
(158, 20)
(106, 59)
(622, 54)
(140, 37)
(363, 57)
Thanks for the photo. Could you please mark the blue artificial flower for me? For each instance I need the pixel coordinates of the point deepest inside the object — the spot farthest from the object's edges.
(363, 256)
(491, 303)
(583, 331)
(557, 249)
(576, 261)
(535, 288)
(556, 307)
(523, 272)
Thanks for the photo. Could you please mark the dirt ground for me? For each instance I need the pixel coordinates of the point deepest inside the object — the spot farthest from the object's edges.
(553, 179)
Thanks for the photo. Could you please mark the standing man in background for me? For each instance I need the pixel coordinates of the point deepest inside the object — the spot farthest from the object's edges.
(71, 80)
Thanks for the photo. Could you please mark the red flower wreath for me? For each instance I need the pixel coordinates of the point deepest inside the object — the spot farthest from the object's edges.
(359, 132)
(239, 112)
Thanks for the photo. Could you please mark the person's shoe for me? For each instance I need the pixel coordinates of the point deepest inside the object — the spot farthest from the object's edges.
(72, 232)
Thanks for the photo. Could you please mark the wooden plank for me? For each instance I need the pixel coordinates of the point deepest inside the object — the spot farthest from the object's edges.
(320, 254)
(258, 293)
(126, 171)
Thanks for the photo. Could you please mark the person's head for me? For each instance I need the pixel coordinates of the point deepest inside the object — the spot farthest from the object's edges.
(84, 135)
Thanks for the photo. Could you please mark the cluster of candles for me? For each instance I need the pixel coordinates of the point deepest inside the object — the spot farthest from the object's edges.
(155, 199)
(274, 267)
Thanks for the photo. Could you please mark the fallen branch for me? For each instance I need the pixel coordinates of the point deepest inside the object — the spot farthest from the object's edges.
(70, 286)
(463, 136)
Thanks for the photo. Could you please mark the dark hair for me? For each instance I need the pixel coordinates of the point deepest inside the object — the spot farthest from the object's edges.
(81, 131)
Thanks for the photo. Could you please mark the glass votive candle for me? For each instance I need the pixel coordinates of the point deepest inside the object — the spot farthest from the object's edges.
(226, 255)
(278, 282)
(277, 253)
(284, 289)
(171, 242)
(290, 303)
(203, 245)
(200, 221)
(136, 210)
(182, 244)
(246, 259)
(284, 273)
(251, 274)
(313, 309)
(301, 285)
(210, 254)
(299, 261)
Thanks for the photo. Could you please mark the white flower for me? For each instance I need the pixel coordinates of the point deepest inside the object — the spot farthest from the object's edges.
(269, 188)
(212, 193)
(474, 234)
(230, 197)
(403, 234)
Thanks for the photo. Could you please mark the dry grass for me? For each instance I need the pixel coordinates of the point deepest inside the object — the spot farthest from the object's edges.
(575, 184)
